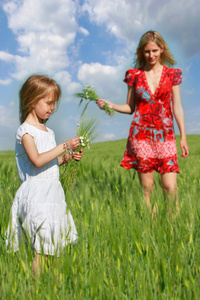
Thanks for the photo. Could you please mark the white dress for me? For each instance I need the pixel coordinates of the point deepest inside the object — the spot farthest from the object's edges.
(39, 210)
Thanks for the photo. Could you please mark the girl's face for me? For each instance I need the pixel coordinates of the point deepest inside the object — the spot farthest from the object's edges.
(152, 53)
(44, 107)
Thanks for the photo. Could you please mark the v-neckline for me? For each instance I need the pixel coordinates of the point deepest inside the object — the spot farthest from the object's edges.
(147, 84)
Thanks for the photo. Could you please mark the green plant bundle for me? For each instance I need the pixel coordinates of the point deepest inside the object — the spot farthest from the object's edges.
(86, 132)
(89, 94)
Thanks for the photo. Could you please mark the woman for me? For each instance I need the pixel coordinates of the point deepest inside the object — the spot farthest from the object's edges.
(152, 87)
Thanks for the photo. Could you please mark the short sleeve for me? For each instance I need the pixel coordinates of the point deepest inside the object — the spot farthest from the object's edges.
(130, 76)
(22, 130)
(177, 77)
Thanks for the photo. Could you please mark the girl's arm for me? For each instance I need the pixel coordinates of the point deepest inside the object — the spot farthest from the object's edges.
(65, 158)
(40, 159)
(127, 108)
(179, 116)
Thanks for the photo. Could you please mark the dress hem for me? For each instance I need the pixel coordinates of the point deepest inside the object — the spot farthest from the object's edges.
(170, 170)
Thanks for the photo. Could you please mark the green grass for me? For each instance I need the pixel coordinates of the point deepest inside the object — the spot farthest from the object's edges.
(121, 252)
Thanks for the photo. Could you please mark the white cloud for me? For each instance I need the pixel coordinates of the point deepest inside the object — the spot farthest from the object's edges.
(8, 124)
(8, 116)
(84, 31)
(190, 92)
(108, 137)
(41, 15)
(193, 127)
(192, 123)
(69, 87)
(129, 19)
(5, 81)
(121, 17)
(7, 57)
(194, 113)
(95, 69)
(108, 80)
(44, 30)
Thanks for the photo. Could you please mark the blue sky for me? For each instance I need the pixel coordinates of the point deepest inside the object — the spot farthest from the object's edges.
(91, 42)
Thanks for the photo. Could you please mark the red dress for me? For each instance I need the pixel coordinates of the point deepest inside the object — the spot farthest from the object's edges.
(151, 143)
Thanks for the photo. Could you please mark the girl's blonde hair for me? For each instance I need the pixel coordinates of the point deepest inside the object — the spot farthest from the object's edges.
(34, 89)
(166, 58)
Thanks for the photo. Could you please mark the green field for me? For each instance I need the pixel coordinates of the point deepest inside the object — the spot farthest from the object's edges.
(121, 252)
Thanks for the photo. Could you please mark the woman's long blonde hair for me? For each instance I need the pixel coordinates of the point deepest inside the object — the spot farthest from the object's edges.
(34, 89)
(166, 58)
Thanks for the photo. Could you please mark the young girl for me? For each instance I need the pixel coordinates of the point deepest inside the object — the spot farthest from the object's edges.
(152, 86)
(39, 207)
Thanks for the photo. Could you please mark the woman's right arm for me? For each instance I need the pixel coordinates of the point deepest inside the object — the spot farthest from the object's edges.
(40, 159)
(127, 108)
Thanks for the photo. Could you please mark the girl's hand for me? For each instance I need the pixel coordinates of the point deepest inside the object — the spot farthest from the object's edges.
(184, 148)
(73, 143)
(78, 155)
(101, 102)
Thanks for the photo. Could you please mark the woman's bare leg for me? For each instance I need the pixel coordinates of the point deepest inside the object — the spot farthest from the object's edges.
(169, 185)
(147, 182)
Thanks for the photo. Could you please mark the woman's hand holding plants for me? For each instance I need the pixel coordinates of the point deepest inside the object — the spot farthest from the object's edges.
(88, 93)
(102, 102)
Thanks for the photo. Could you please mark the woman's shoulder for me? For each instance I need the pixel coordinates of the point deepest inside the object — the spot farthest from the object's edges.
(134, 71)
(175, 74)
(173, 71)
(131, 75)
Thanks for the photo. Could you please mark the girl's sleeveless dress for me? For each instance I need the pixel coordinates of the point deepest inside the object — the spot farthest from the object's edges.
(151, 143)
(39, 209)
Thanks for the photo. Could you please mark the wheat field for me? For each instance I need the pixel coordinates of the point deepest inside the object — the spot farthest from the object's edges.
(122, 253)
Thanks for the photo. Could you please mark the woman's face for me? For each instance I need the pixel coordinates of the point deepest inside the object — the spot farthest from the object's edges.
(152, 53)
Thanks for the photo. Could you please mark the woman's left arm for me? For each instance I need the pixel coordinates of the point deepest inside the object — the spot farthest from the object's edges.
(179, 116)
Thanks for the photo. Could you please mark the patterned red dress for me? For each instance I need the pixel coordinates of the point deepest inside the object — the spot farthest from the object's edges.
(151, 143)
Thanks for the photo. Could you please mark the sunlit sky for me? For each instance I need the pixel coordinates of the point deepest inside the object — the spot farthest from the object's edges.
(91, 42)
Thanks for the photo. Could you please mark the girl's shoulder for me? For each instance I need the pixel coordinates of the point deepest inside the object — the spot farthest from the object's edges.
(131, 75)
(23, 129)
(30, 129)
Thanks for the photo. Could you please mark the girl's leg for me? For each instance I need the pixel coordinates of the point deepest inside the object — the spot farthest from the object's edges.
(147, 182)
(37, 264)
